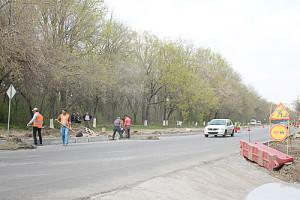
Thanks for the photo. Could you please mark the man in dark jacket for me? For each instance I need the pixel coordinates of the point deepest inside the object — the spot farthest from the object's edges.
(87, 118)
(73, 118)
(78, 118)
(117, 128)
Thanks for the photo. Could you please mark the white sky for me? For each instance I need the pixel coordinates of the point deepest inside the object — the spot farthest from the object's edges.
(260, 38)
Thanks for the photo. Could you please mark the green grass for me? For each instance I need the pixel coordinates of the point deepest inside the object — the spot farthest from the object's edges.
(14, 126)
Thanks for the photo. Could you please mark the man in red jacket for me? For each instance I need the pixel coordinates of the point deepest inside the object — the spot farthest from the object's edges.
(127, 126)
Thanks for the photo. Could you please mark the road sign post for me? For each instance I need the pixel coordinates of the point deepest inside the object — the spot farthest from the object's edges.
(280, 133)
(249, 132)
(10, 93)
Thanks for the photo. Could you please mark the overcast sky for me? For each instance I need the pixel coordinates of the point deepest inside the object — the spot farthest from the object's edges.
(260, 38)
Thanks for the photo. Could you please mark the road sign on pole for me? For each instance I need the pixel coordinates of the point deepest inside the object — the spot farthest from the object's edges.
(279, 132)
(280, 113)
(10, 93)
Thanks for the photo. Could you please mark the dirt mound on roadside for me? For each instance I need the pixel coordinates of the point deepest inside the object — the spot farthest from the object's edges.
(151, 138)
(289, 173)
(14, 143)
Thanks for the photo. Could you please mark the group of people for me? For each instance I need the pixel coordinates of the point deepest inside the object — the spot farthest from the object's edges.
(65, 121)
(76, 118)
(37, 123)
(122, 126)
(237, 124)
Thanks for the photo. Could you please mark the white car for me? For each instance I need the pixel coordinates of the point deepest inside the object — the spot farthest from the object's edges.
(253, 122)
(258, 122)
(221, 127)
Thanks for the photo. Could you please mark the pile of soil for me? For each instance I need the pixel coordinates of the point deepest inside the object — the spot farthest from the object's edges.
(166, 131)
(289, 172)
(151, 138)
(80, 131)
(14, 143)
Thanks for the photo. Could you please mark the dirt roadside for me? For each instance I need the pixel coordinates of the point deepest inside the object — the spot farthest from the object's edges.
(77, 128)
(231, 178)
(291, 172)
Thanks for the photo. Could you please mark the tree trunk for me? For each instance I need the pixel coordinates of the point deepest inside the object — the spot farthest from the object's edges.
(28, 103)
(134, 118)
(143, 110)
(96, 106)
(147, 111)
(52, 105)
(169, 114)
(165, 113)
(2, 108)
(63, 95)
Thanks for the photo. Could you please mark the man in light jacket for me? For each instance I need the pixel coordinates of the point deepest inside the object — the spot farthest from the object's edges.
(37, 121)
(87, 118)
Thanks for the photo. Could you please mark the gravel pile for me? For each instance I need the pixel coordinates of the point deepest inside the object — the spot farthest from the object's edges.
(289, 173)
(14, 143)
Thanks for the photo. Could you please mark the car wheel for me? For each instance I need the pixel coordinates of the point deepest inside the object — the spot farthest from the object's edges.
(206, 135)
(215, 135)
(232, 134)
(225, 133)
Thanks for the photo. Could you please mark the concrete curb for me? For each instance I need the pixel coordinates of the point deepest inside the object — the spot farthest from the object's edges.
(57, 141)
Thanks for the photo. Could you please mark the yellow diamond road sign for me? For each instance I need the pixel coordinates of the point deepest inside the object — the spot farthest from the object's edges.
(280, 113)
(278, 132)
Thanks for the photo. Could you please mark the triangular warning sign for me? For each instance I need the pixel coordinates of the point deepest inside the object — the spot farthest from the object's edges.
(280, 113)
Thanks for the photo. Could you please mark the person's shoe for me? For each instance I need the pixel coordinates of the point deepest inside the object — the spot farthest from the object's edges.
(40, 144)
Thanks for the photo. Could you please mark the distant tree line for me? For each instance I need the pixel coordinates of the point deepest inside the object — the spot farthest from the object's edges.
(73, 54)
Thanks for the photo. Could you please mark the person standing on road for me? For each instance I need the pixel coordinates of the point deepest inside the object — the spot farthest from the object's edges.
(127, 126)
(65, 126)
(117, 128)
(87, 118)
(37, 121)
(123, 126)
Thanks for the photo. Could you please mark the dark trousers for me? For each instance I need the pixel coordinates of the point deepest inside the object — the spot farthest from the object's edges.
(117, 129)
(39, 130)
(87, 124)
(127, 131)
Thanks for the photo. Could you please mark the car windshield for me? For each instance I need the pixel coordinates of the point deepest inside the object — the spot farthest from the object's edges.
(283, 123)
(217, 122)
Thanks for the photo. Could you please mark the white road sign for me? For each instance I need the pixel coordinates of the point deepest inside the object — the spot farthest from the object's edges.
(11, 91)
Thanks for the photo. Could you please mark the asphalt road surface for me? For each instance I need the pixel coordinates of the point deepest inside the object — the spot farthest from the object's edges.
(80, 171)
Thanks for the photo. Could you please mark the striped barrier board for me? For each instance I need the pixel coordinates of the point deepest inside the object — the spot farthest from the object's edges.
(264, 155)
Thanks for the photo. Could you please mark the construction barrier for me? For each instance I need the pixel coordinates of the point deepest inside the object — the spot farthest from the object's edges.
(236, 129)
(264, 155)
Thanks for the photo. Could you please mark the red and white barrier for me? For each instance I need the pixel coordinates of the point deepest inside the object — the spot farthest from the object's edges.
(264, 155)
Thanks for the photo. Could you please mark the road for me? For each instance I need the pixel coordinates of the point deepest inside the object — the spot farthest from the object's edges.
(85, 170)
